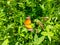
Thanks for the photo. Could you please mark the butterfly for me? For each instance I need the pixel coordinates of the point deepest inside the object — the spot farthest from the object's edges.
(27, 23)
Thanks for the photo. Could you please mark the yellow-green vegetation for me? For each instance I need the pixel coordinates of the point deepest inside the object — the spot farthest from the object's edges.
(45, 21)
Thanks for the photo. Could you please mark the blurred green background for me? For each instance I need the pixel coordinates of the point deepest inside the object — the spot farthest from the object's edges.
(45, 17)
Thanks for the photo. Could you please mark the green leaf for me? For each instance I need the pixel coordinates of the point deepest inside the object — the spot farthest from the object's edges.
(44, 33)
(20, 20)
(50, 33)
(48, 27)
(39, 40)
(49, 38)
(16, 43)
(19, 29)
(22, 35)
(35, 37)
(5, 42)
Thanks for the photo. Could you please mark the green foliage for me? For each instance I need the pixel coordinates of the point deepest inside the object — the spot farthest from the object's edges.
(5, 42)
(37, 40)
(46, 31)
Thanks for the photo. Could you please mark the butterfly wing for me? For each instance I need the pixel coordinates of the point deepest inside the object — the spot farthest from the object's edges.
(28, 26)
(27, 22)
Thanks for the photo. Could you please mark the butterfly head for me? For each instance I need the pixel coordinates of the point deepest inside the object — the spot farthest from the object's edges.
(28, 17)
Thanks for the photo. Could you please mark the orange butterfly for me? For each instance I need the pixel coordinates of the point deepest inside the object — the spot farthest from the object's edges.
(27, 23)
